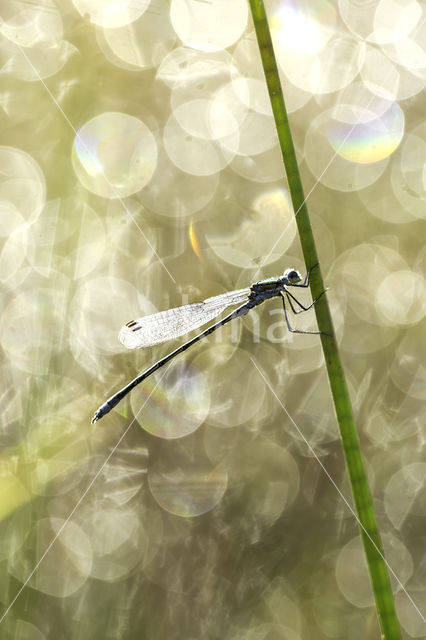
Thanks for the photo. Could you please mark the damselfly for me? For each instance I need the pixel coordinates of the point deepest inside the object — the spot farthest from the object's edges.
(173, 323)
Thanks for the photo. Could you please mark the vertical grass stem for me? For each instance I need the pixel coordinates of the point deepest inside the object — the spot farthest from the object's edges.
(362, 498)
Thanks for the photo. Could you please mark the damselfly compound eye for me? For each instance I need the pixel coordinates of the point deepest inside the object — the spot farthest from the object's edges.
(292, 276)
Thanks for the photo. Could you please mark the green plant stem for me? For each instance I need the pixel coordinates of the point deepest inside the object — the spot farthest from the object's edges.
(363, 502)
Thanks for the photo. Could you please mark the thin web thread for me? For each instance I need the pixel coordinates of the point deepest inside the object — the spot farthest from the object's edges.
(338, 490)
(80, 500)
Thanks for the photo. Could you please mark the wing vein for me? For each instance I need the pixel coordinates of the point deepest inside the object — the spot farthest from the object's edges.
(170, 324)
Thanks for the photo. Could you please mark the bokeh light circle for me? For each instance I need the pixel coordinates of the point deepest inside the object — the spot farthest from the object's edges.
(394, 19)
(241, 120)
(262, 167)
(401, 299)
(174, 193)
(235, 399)
(188, 491)
(364, 136)
(39, 62)
(248, 65)
(209, 26)
(317, 73)
(264, 233)
(111, 13)
(119, 540)
(408, 370)
(99, 308)
(31, 328)
(303, 27)
(194, 74)
(269, 478)
(404, 494)
(352, 574)
(191, 153)
(334, 154)
(143, 43)
(359, 22)
(363, 268)
(174, 403)
(23, 189)
(380, 74)
(72, 551)
(32, 25)
(412, 158)
(196, 118)
(114, 155)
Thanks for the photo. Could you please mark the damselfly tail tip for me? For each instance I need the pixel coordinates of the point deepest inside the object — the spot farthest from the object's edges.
(95, 417)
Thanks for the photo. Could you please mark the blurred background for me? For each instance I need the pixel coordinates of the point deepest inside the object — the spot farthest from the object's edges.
(139, 170)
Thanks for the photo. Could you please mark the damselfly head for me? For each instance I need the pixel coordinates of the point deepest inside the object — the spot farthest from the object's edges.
(292, 276)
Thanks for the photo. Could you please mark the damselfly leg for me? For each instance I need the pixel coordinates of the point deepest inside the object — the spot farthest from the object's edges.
(290, 297)
(289, 327)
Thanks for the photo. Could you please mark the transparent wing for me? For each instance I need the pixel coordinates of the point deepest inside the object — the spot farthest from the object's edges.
(170, 324)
